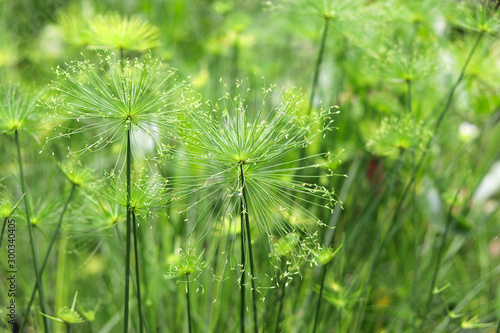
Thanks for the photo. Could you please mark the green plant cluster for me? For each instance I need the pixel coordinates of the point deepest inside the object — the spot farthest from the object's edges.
(265, 166)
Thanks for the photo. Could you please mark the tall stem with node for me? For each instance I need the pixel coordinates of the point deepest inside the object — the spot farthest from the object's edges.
(128, 233)
(34, 251)
(246, 230)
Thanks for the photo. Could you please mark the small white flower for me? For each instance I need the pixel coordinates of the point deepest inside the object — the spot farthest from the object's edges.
(467, 131)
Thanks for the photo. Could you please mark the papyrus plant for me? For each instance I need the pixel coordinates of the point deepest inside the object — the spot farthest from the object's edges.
(20, 115)
(111, 100)
(235, 154)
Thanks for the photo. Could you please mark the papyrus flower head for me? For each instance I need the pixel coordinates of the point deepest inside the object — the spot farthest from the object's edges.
(250, 132)
(108, 97)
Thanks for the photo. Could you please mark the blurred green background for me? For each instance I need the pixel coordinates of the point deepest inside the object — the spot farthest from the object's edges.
(420, 256)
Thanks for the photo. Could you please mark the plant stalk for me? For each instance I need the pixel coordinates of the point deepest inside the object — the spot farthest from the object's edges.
(319, 60)
(3, 229)
(128, 233)
(138, 279)
(281, 301)
(318, 306)
(47, 254)
(415, 220)
(439, 257)
(34, 251)
(190, 325)
(436, 128)
(8, 217)
(242, 278)
(244, 214)
(376, 249)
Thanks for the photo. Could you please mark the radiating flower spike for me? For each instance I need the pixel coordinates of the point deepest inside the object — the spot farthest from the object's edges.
(107, 98)
(480, 16)
(77, 174)
(68, 316)
(123, 33)
(147, 196)
(185, 263)
(407, 63)
(20, 110)
(397, 134)
(254, 132)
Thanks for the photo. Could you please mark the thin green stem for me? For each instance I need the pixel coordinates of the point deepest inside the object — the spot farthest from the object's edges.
(439, 257)
(138, 279)
(415, 220)
(129, 222)
(68, 329)
(436, 128)
(244, 207)
(281, 301)
(314, 85)
(376, 248)
(252, 270)
(47, 254)
(34, 251)
(190, 325)
(318, 306)
(8, 217)
(242, 278)
(62, 276)
(408, 98)
(3, 229)
(319, 60)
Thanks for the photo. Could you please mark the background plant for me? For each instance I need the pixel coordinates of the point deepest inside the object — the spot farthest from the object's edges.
(391, 66)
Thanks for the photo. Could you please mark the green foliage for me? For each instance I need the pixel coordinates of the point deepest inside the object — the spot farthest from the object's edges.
(476, 16)
(73, 21)
(123, 33)
(406, 242)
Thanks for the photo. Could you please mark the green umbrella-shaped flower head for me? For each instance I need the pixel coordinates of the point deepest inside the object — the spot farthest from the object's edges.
(19, 110)
(123, 33)
(148, 192)
(108, 97)
(242, 147)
